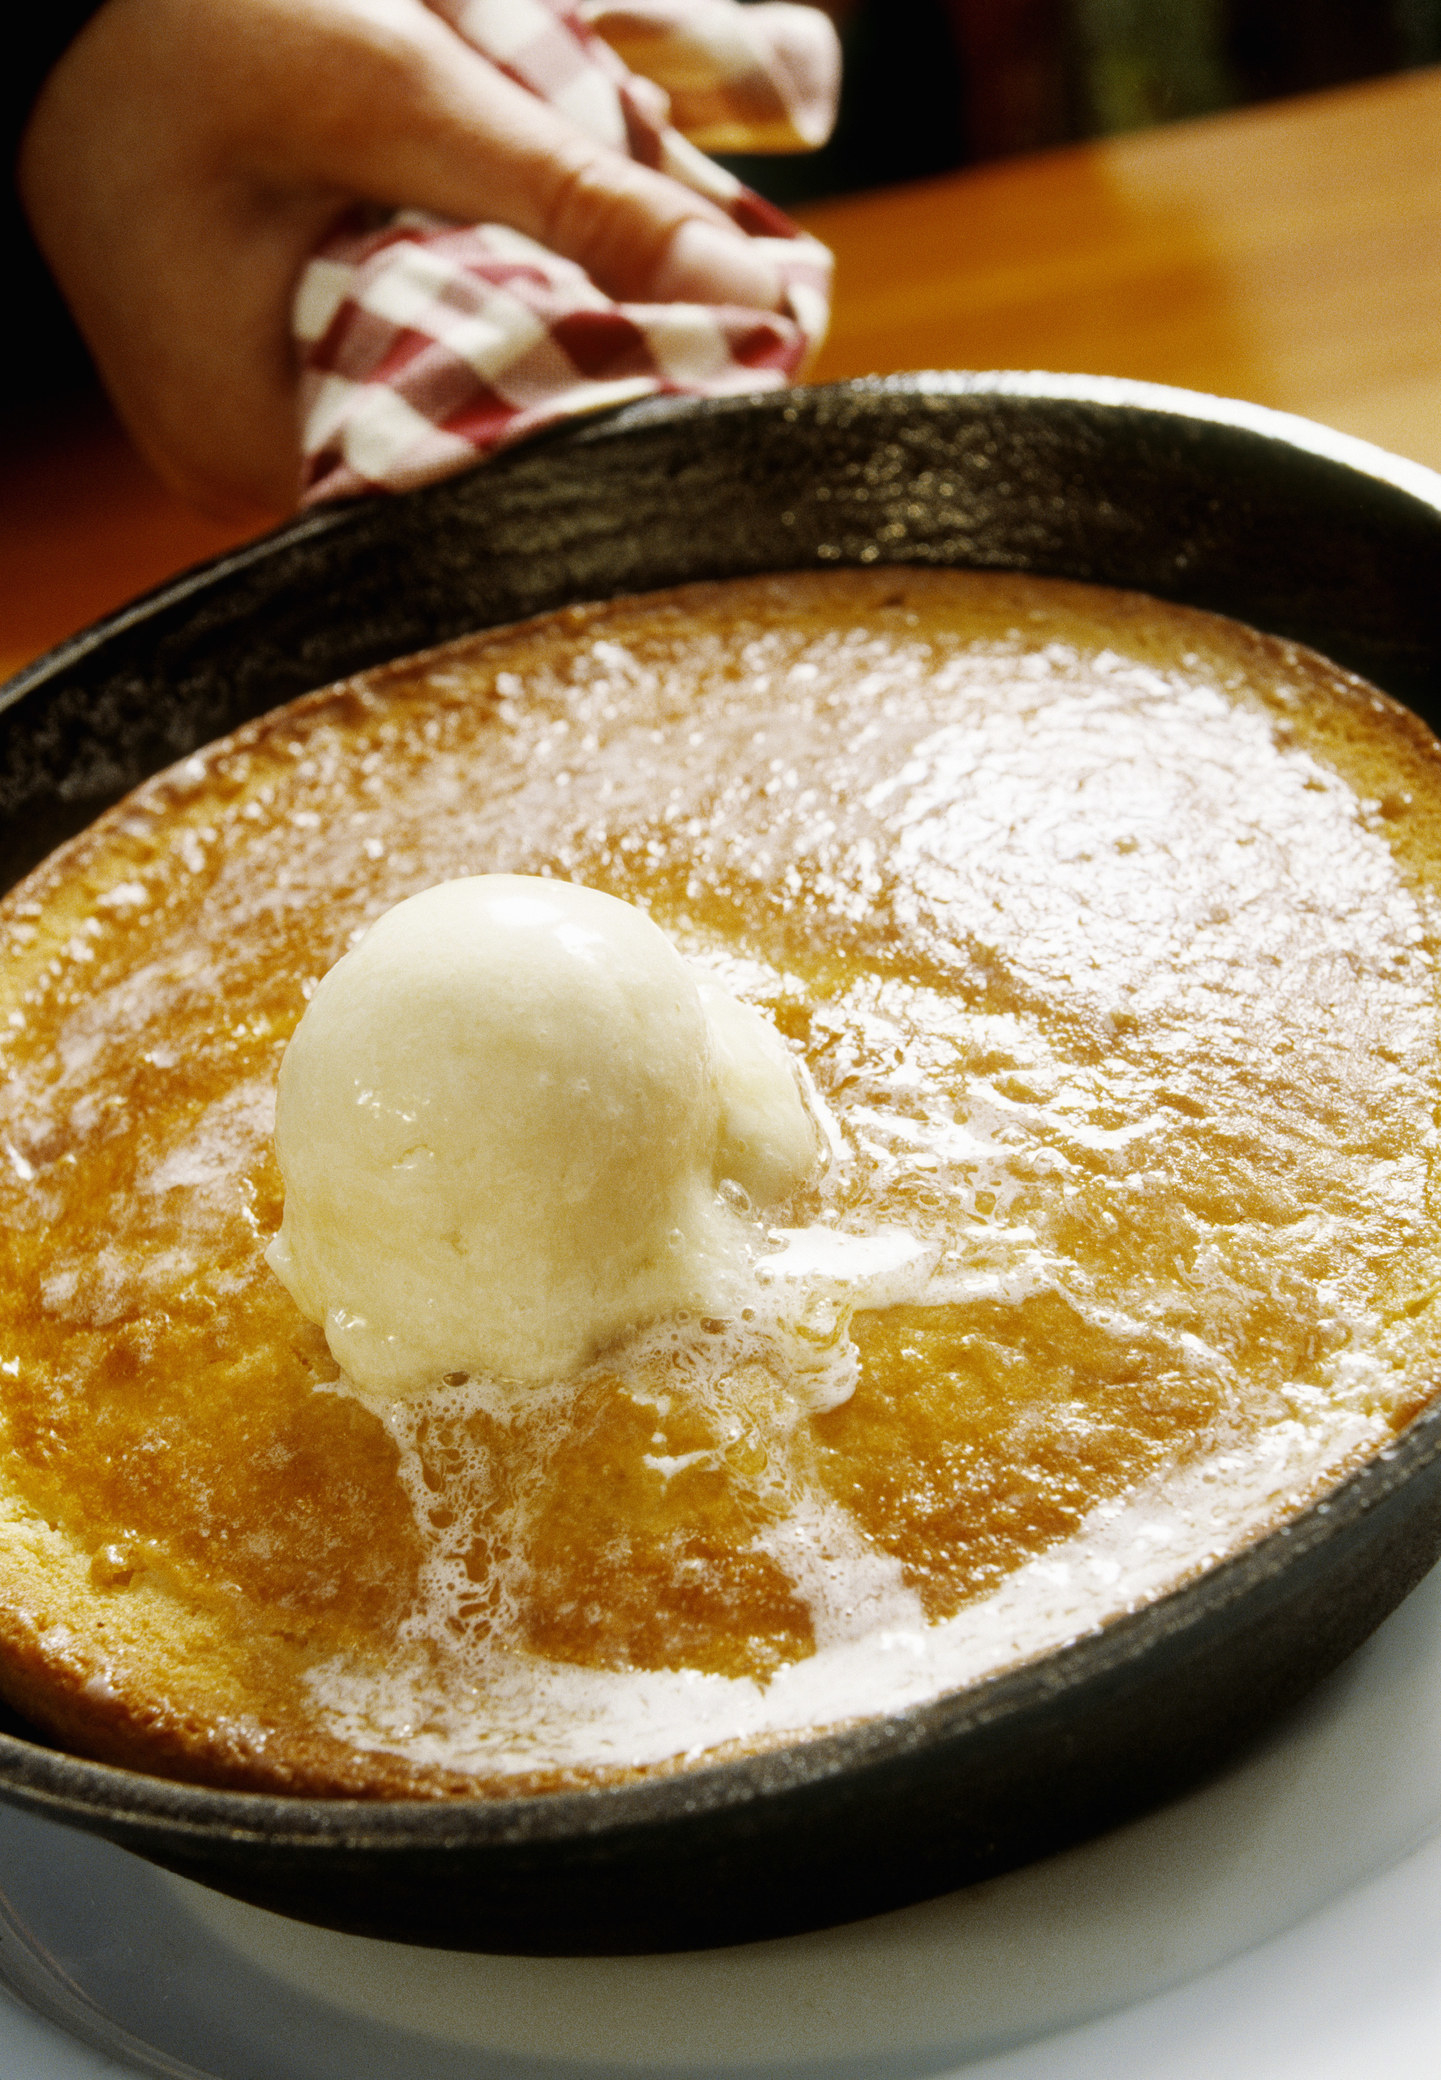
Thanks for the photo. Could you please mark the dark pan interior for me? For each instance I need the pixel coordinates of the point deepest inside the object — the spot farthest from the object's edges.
(1226, 507)
(1121, 483)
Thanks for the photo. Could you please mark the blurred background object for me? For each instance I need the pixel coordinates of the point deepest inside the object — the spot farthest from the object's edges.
(930, 85)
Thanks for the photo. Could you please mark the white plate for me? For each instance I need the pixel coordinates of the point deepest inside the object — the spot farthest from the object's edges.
(1285, 1921)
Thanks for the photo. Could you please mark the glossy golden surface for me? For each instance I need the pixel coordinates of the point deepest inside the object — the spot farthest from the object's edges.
(1106, 931)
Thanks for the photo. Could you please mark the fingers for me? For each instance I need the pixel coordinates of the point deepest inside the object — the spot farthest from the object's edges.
(702, 265)
(443, 130)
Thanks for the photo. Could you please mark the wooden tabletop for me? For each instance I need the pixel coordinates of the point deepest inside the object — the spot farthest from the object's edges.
(1290, 255)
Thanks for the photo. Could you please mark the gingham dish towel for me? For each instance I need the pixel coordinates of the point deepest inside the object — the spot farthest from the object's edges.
(427, 345)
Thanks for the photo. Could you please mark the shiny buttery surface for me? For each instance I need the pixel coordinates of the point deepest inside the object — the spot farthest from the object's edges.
(1113, 962)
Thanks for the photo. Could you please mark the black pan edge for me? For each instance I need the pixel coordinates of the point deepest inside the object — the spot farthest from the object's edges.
(1298, 530)
(1249, 1577)
(1302, 532)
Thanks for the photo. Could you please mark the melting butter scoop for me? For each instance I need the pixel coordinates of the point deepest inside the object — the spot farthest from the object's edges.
(503, 1122)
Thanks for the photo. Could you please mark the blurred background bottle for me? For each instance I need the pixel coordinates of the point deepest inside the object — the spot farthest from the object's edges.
(935, 84)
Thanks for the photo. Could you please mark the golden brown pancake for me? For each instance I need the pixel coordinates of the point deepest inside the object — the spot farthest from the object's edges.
(1106, 930)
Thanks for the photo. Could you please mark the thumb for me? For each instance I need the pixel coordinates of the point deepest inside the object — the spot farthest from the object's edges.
(455, 136)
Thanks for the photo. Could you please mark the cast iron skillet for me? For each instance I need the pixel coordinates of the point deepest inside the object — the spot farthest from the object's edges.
(1225, 506)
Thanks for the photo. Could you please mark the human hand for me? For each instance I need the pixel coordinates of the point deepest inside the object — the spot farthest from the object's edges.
(185, 158)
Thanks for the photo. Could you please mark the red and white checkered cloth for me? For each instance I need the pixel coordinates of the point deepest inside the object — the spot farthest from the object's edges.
(427, 345)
